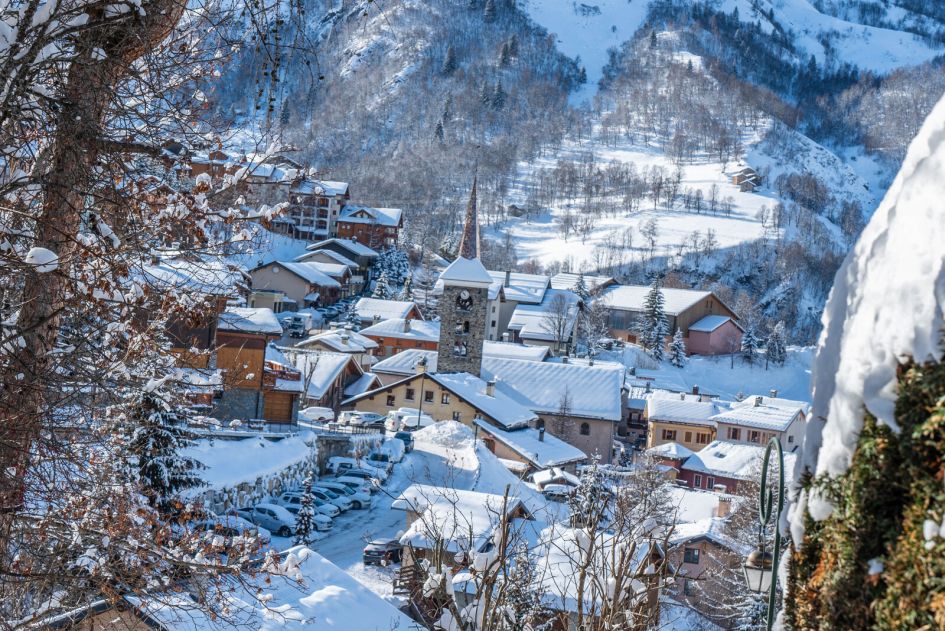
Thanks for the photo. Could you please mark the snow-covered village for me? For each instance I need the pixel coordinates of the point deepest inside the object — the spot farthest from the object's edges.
(472, 315)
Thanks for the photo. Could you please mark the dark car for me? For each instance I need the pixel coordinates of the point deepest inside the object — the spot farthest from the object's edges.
(382, 552)
(407, 437)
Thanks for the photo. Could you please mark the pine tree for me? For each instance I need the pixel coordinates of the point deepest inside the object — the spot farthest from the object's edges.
(351, 315)
(652, 326)
(382, 288)
(449, 62)
(677, 350)
(498, 96)
(305, 521)
(489, 11)
(406, 292)
(653, 40)
(776, 347)
(485, 94)
(155, 445)
(750, 343)
(438, 131)
(589, 502)
(447, 110)
(580, 288)
(505, 55)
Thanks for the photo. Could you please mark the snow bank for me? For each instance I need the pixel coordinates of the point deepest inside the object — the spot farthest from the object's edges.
(886, 305)
(450, 434)
(231, 462)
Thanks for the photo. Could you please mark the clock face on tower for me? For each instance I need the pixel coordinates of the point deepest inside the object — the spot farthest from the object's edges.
(464, 300)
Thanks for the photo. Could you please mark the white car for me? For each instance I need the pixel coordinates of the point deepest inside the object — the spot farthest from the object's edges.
(313, 414)
(340, 464)
(271, 516)
(294, 498)
(357, 484)
(321, 522)
(232, 526)
(407, 419)
(330, 496)
(359, 499)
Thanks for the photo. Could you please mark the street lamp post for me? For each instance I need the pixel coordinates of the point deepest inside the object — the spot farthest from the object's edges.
(761, 566)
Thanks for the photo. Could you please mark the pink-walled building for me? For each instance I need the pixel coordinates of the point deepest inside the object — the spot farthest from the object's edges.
(714, 335)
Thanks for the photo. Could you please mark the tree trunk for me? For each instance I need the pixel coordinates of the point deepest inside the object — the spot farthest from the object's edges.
(64, 174)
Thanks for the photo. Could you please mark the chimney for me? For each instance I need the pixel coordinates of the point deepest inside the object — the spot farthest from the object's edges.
(758, 401)
(564, 359)
(541, 434)
(590, 361)
(773, 393)
(490, 388)
(505, 336)
(406, 325)
(344, 339)
(508, 277)
(682, 396)
(725, 507)
(695, 389)
(421, 366)
(647, 386)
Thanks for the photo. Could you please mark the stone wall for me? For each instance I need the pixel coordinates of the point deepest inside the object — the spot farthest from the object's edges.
(241, 403)
(453, 321)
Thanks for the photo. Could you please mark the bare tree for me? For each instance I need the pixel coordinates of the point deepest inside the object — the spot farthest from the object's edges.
(559, 320)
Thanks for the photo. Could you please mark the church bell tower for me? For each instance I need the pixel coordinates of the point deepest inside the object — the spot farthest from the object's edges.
(464, 302)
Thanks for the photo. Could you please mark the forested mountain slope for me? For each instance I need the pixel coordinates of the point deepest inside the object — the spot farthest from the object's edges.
(605, 134)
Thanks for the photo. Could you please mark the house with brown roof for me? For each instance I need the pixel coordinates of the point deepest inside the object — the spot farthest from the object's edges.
(376, 227)
(302, 284)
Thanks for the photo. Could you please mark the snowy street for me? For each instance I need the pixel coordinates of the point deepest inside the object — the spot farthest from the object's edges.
(454, 466)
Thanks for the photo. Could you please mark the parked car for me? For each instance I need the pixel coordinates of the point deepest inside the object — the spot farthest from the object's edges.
(321, 521)
(382, 552)
(271, 516)
(294, 498)
(557, 492)
(363, 476)
(359, 499)
(357, 484)
(231, 526)
(314, 414)
(362, 418)
(407, 419)
(340, 464)
(379, 459)
(394, 448)
(407, 439)
(331, 497)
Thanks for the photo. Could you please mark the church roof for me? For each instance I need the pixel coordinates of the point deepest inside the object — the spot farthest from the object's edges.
(469, 242)
(466, 271)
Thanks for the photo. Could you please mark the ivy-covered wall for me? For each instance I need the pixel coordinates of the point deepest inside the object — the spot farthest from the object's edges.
(879, 561)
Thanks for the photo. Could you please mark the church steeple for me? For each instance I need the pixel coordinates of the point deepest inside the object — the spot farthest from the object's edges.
(469, 242)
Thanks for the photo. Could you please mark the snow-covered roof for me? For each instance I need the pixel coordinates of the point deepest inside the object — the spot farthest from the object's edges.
(353, 213)
(356, 248)
(341, 340)
(376, 308)
(770, 414)
(591, 391)
(405, 362)
(310, 272)
(249, 320)
(307, 590)
(732, 460)
(464, 520)
(341, 259)
(713, 529)
(508, 350)
(544, 452)
(675, 409)
(546, 476)
(710, 323)
(527, 288)
(500, 407)
(324, 367)
(362, 384)
(205, 276)
(633, 297)
(404, 329)
(466, 272)
(670, 450)
(532, 321)
(335, 270)
(567, 280)
(319, 187)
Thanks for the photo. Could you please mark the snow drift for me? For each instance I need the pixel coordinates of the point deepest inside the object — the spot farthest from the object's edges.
(886, 306)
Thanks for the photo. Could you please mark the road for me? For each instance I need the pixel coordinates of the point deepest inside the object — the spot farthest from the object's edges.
(429, 463)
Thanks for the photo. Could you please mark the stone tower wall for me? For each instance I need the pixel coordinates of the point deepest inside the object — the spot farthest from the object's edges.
(448, 359)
